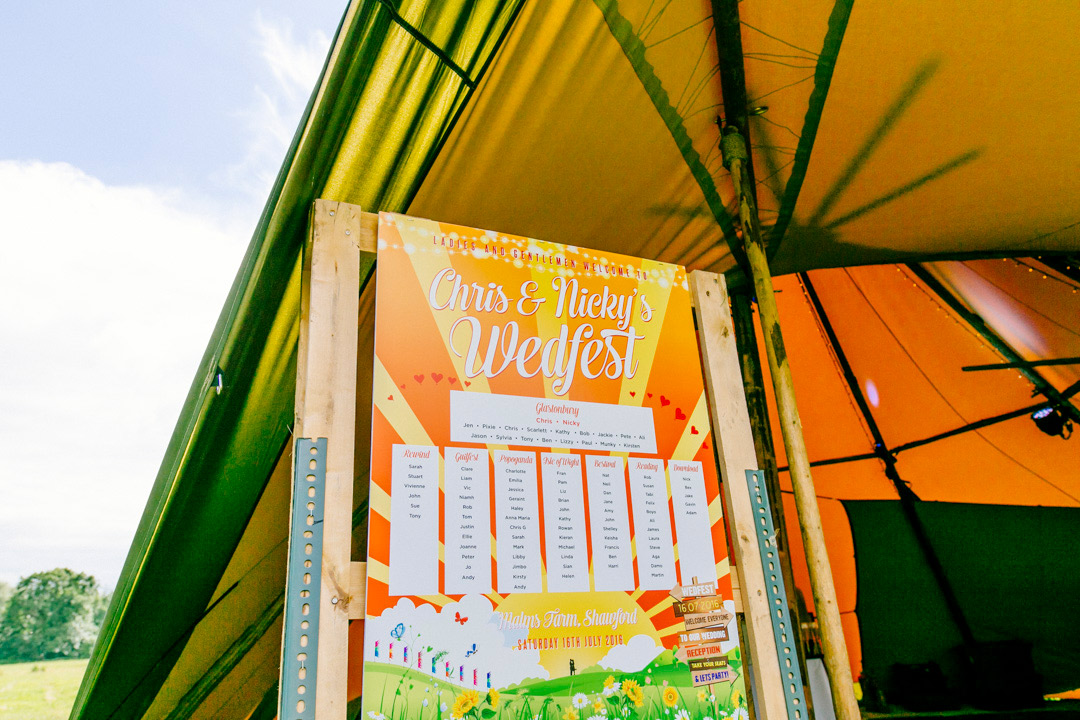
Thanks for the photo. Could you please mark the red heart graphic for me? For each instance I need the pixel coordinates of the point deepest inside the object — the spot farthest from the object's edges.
(418, 378)
(467, 383)
(664, 401)
(649, 394)
(402, 386)
(704, 446)
(389, 397)
(679, 414)
(693, 430)
(451, 380)
(436, 377)
(633, 394)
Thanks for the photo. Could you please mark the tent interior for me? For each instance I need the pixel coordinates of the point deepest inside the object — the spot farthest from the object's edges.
(915, 171)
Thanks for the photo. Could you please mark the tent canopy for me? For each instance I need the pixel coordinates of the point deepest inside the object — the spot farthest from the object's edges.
(880, 134)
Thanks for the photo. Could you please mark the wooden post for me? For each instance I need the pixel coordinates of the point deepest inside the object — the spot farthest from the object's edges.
(742, 315)
(736, 454)
(834, 648)
(325, 406)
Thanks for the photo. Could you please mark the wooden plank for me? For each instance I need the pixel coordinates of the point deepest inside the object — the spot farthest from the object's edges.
(742, 316)
(736, 453)
(369, 233)
(357, 590)
(326, 407)
(736, 589)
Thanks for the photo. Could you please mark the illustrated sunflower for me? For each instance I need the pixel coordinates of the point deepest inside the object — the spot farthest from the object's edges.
(465, 702)
(633, 692)
(671, 697)
(493, 698)
(609, 681)
(735, 697)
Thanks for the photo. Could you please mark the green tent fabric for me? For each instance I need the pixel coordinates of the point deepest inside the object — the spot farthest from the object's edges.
(1015, 572)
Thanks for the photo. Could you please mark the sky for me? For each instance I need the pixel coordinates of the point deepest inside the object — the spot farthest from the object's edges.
(138, 144)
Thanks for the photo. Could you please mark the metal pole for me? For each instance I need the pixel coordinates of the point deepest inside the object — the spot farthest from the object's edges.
(837, 663)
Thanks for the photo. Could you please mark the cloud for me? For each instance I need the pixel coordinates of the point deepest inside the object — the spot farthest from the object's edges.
(632, 656)
(295, 65)
(108, 299)
(423, 626)
(277, 103)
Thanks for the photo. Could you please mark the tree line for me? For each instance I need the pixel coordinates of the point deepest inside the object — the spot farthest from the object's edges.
(50, 615)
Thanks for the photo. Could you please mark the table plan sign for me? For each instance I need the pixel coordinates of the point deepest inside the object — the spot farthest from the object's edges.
(542, 476)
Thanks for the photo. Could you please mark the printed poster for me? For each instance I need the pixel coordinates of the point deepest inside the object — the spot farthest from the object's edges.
(542, 484)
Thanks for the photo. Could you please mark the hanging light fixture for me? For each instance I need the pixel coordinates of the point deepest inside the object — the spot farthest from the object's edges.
(1051, 421)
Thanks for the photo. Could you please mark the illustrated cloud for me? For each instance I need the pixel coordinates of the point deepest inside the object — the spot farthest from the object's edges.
(632, 656)
(454, 630)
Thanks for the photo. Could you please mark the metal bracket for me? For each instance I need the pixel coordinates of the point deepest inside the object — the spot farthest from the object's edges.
(794, 693)
(301, 636)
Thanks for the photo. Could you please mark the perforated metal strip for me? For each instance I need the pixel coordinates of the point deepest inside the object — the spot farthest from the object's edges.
(298, 662)
(794, 695)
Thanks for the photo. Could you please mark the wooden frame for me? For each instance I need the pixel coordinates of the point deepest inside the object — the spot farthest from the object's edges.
(736, 454)
(338, 256)
(325, 406)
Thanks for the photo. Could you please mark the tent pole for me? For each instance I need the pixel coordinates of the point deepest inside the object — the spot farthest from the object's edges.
(908, 498)
(837, 663)
(742, 315)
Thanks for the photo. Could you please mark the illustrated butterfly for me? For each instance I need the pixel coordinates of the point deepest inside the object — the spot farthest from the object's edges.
(460, 620)
(398, 631)
(471, 652)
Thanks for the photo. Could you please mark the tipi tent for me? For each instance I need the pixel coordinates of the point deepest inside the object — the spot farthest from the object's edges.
(915, 171)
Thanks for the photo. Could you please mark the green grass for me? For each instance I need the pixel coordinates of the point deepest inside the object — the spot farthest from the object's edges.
(39, 690)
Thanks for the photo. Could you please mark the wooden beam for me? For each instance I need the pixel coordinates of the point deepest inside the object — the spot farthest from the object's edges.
(325, 406)
(357, 590)
(736, 589)
(742, 315)
(736, 453)
(368, 241)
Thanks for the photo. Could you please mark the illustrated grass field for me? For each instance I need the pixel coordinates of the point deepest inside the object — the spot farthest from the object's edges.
(39, 690)
(658, 692)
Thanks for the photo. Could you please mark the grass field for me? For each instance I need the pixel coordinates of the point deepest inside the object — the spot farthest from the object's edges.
(39, 690)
